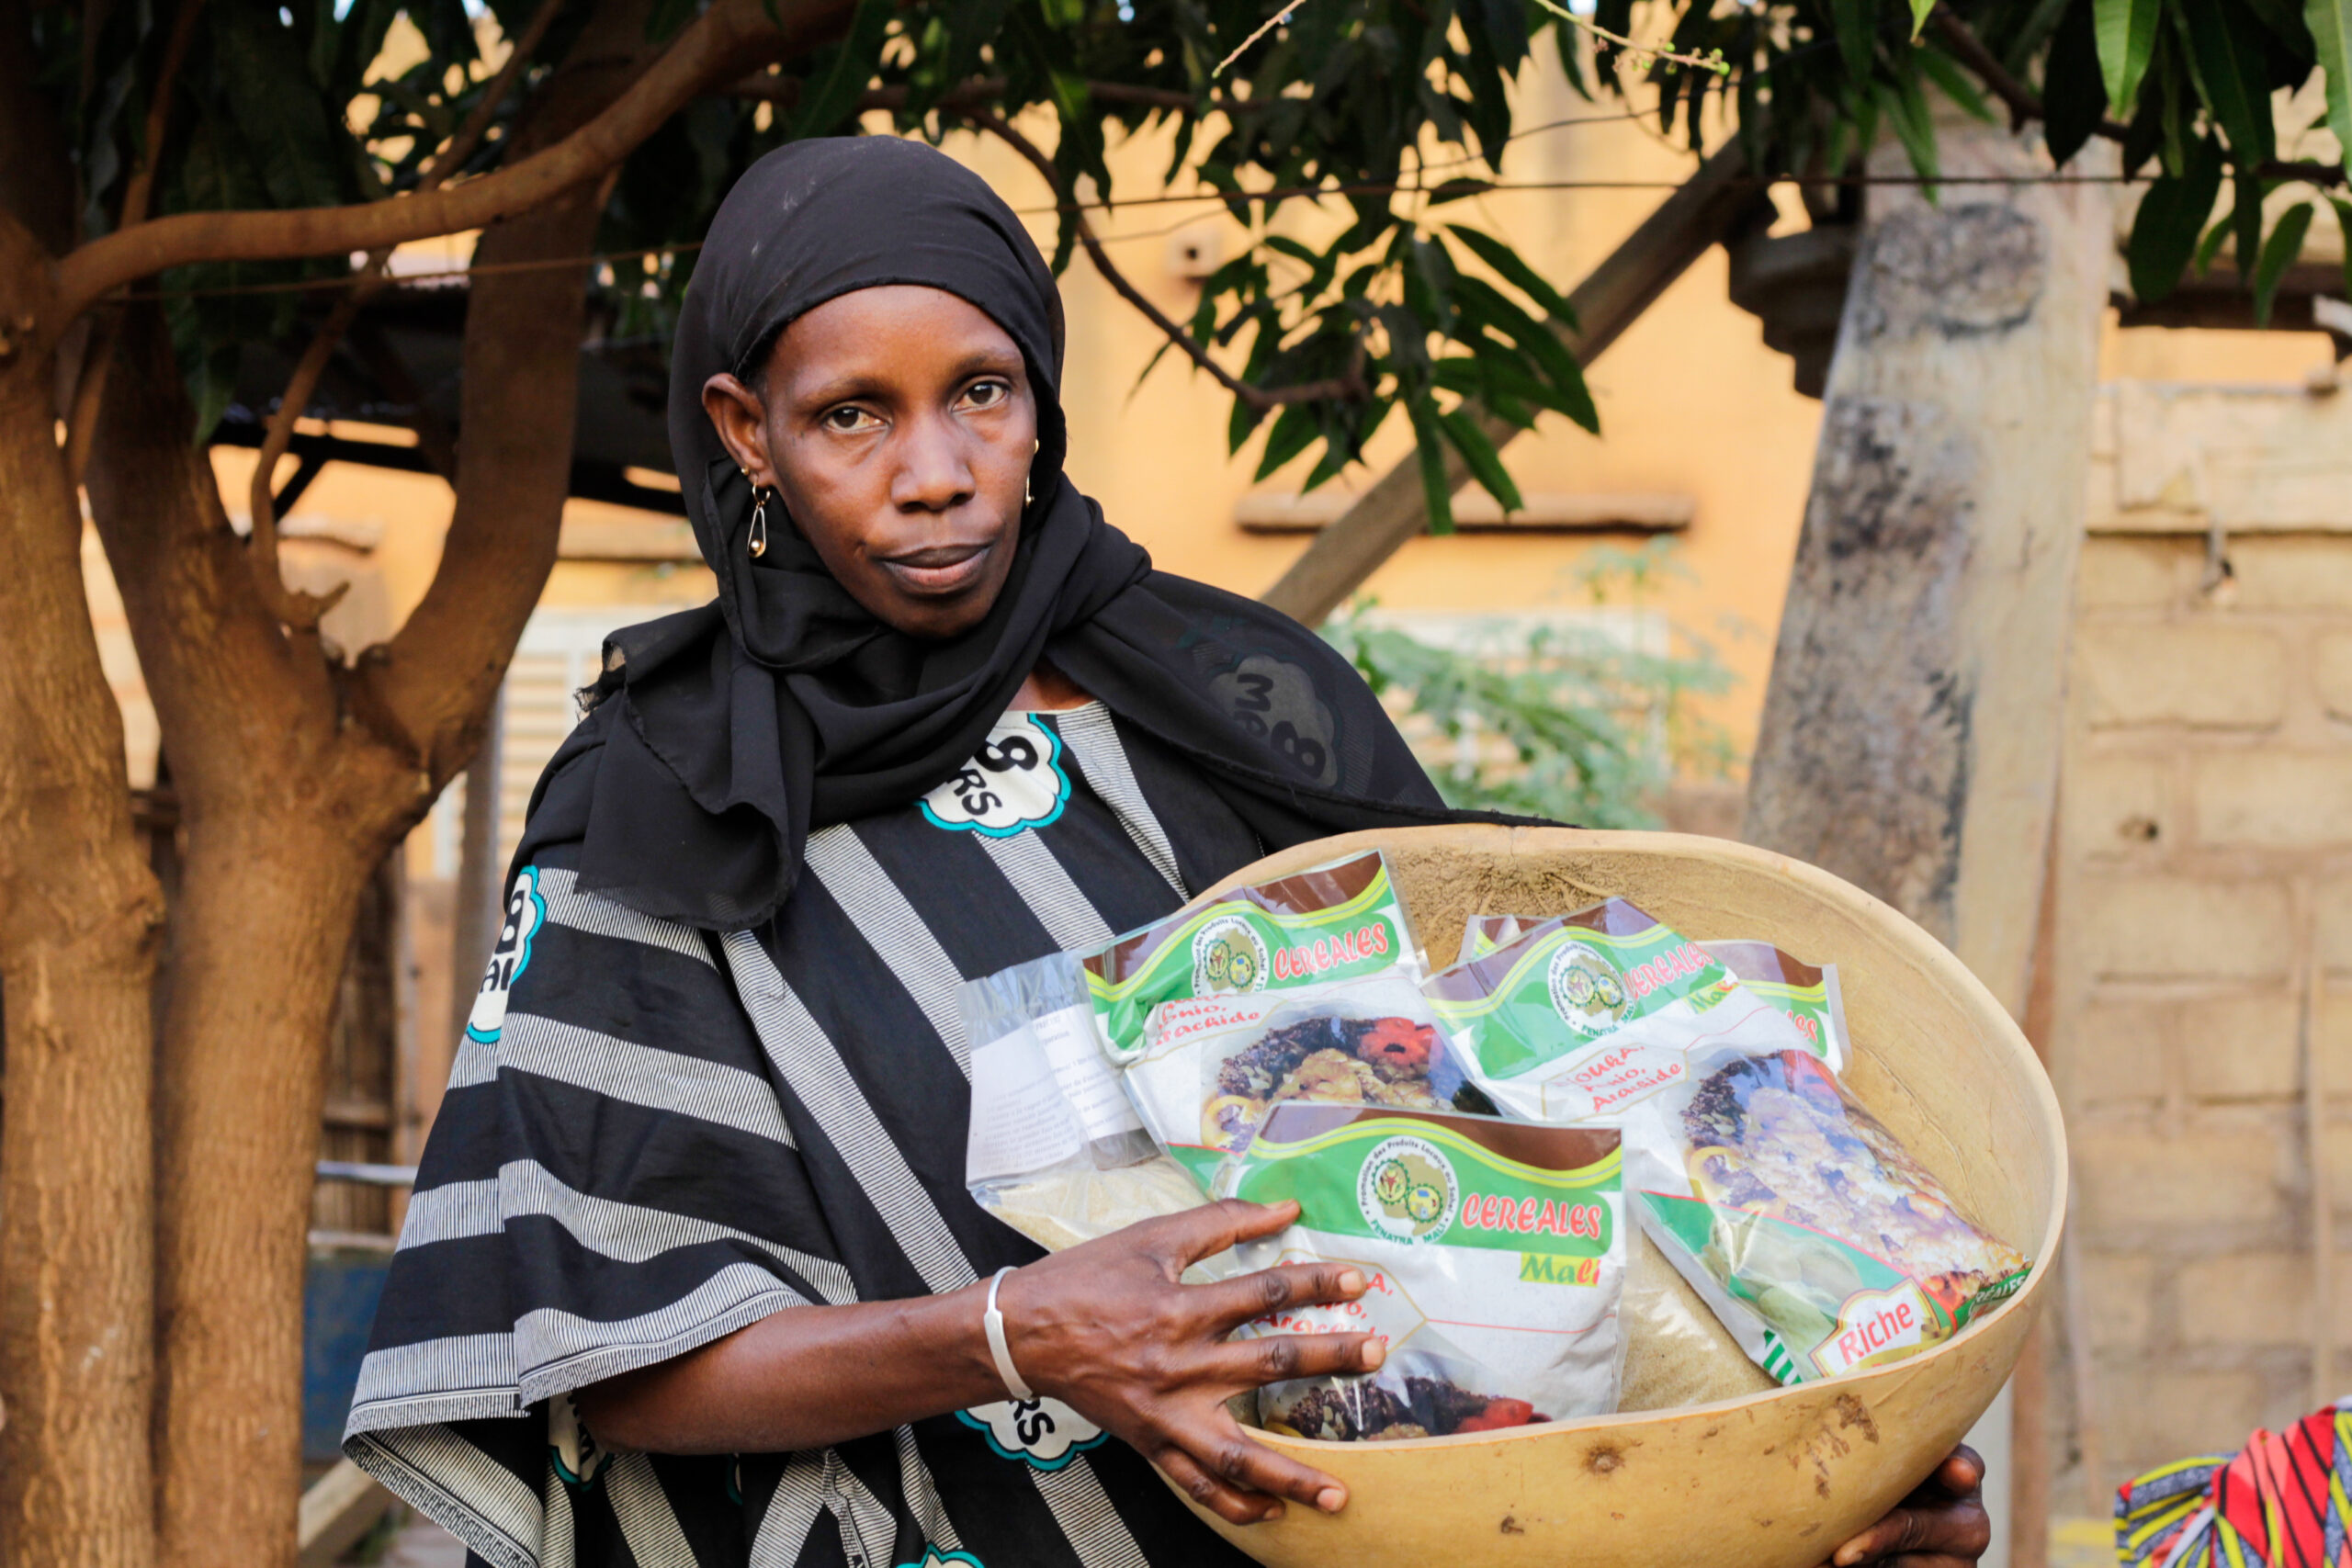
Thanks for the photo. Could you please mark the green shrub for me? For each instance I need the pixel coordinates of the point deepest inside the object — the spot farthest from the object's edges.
(1574, 719)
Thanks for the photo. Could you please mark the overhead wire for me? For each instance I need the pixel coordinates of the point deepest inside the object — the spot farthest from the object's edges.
(1279, 192)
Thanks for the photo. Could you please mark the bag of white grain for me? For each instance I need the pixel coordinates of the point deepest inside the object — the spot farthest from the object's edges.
(1055, 1149)
(1495, 1254)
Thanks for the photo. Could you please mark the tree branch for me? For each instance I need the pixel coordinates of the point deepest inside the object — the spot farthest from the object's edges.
(297, 610)
(1259, 400)
(97, 357)
(294, 609)
(142, 188)
(426, 694)
(721, 43)
(2024, 103)
(461, 146)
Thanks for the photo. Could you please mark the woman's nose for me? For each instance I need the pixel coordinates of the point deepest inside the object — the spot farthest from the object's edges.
(933, 474)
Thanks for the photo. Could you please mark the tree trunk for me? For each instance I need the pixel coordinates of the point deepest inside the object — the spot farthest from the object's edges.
(1912, 728)
(79, 911)
(263, 925)
(295, 779)
(266, 773)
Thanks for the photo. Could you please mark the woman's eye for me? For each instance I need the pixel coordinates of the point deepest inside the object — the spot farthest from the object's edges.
(847, 419)
(988, 394)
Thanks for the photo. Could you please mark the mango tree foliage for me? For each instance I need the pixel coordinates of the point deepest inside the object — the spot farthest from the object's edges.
(1401, 312)
(2186, 88)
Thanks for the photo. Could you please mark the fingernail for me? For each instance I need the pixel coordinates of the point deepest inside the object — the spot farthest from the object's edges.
(1848, 1556)
(1351, 1282)
(1330, 1499)
(1375, 1352)
(1273, 1511)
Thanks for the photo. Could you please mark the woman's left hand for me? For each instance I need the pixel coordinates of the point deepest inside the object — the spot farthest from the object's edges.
(1942, 1525)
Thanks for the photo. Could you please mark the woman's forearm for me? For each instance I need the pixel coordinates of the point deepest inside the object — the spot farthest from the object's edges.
(805, 1378)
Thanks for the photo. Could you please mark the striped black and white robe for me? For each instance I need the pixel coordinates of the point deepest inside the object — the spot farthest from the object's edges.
(654, 1136)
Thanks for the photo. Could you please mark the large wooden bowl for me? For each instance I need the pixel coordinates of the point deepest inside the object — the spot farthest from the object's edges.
(1772, 1480)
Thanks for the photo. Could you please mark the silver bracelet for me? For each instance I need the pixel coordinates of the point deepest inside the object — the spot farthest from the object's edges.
(993, 1324)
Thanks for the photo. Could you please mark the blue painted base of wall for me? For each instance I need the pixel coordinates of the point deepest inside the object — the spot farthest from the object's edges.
(339, 1300)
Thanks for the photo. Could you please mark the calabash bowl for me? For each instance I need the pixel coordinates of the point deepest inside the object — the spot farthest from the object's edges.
(1772, 1479)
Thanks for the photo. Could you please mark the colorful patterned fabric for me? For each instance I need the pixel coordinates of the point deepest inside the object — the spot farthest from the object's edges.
(2283, 1501)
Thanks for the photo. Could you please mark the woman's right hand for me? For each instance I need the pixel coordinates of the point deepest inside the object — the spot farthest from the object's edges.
(1109, 1329)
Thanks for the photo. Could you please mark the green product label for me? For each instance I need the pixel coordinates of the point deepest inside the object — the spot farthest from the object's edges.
(1235, 947)
(1807, 1008)
(1990, 1296)
(1827, 1306)
(1569, 987)
(1488, 933)
(1409, 1181)
(1201, 1162)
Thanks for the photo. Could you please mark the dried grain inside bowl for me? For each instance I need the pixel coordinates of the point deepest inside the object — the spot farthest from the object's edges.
(1769, 1480)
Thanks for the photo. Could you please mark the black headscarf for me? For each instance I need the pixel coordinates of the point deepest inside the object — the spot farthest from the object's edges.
(722, 735)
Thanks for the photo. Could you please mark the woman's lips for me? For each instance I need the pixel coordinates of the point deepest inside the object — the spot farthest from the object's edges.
(938, 570)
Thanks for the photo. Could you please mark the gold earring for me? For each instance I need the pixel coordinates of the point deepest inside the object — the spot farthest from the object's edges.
(758, 523)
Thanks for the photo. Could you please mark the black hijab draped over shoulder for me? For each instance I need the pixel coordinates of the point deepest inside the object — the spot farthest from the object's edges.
(719, 737)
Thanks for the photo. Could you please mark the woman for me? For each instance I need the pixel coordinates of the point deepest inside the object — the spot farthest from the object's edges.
(941, 719)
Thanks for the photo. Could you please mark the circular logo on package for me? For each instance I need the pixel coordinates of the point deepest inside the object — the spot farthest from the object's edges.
(1228, 955)
(1407, 1189)
(1587, 990)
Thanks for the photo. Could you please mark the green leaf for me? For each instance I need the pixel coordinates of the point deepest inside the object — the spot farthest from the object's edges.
(1919, 12)
(2279, 254)
(2211, 245)
(1953, 81)
(1456, 190)
(263, 77)
(1538, 346)
(1239, 424)
(2343, 221)
(1070, 97)
(2041, 22)
(2171, 218)
(829, 98)
(2284, 22)
(2127, 36)
(1914, 127)
(1485, 462)
(2072, 89)
(2225, 57)
(2246, 224)
(1517, 273)
(1428, 449)
(1857, 24)
(2331, 24)
(1293, 432)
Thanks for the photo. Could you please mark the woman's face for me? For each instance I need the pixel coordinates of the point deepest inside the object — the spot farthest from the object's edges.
(897, 426)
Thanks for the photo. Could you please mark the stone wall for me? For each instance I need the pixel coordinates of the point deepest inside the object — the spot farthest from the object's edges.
(2206, 863)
